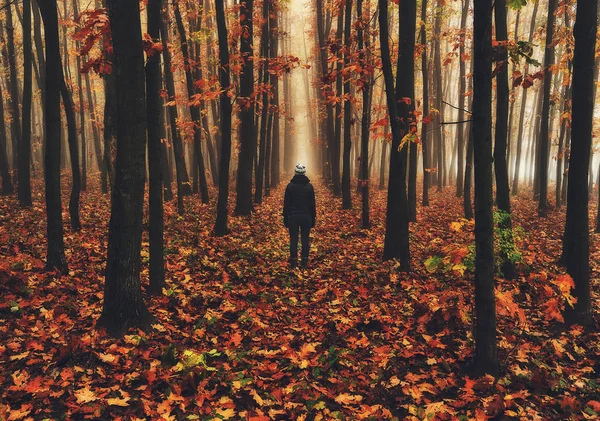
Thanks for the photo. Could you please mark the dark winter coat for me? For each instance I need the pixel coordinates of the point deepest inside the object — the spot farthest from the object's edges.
(299, 199)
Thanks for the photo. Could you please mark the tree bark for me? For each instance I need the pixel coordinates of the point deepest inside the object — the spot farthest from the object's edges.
(346, 193)
(544, 138)
(486, 358)
(225, 106)
(424, 125)
(260, 167)
(73, 154)
(462, 83)
(24, 155)
(501, 134)
(367, 88)
(123, 305)
(199, 172)
(55, 258)
(183, 181)
(7, 187)
(153, 114)
(275, 174)
(13, 84)
(396, 245)
(247, 130)
(515, 185)
(576, 241)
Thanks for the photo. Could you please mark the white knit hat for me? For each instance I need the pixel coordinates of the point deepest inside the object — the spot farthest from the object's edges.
(300, 169)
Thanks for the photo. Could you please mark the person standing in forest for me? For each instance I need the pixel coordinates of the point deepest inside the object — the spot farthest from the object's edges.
(299, 213)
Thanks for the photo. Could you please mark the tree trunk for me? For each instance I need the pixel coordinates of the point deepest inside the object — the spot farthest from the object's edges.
(7, 187)
(81, 109)
(260, 167)
(439, 133)
(124, 306)
(424, 125)
(24, 155)
(73, 154)
(501, 137)
(275, 156)
(462, 83)
(576, 241)
(544, 138)
(183, 181)
(405, 88)
(396, 245)
(486, 358)
(337, 139)
(225, 105)
(153, 114)
(55, 258)
(346, 193)
(200, 171)
(247, 129)
(383, 160)
(367, 91)
(13, 84)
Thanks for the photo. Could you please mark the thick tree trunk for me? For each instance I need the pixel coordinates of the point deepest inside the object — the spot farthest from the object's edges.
(576, 241)
(55, 258)
(486, 357)
(247, 129)
(153, 114)
(124, 306)
(24, 155)
(326, 91)
(396, 245)
(346, 193)
(225, 105)
(501, 136)
(544, 137)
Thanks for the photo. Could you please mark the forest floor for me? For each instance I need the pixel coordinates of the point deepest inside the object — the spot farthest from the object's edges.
(238, 335)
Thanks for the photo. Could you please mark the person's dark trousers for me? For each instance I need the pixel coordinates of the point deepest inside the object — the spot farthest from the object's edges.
(303, 224)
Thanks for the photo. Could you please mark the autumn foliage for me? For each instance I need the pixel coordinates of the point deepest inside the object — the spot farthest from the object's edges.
(237, 335)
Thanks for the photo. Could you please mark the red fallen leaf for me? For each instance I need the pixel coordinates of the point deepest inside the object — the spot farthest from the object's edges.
(595, 405)
(495, 407)
(569, 403)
